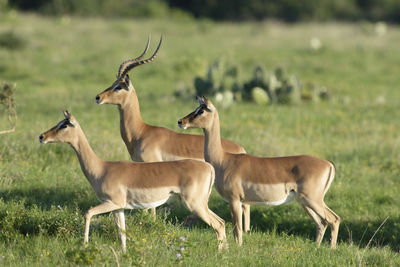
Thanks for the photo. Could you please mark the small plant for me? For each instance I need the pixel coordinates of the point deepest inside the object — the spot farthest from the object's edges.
(10, 40)
(84, 254)
(7, 100)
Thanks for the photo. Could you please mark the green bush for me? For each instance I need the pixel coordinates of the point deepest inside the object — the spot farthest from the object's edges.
(17, 221)
(135, 8)
(12, 41)
(292, 10)
(7, 105)
(221, 83)
(236, 10)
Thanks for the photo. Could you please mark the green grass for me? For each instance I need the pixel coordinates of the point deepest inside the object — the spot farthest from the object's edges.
(65, 62)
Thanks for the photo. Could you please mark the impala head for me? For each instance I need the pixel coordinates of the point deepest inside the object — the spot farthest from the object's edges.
(122, 87)
(202, 117)
(64, 131)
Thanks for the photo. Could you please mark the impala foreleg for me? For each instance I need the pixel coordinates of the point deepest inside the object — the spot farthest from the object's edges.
(119, 217)
(100, 209)
(236, 213)
(246, 217)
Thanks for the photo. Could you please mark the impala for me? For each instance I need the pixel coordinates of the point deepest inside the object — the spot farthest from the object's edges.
(129, 185)
(242, 178)
(149, 143)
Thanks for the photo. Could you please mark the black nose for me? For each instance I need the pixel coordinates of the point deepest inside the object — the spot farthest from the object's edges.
(97, 99)
(179, 123)
(40, 138)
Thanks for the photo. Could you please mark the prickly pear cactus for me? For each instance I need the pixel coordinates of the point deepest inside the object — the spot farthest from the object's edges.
(264, 88)
(220, 82)
(7, 102)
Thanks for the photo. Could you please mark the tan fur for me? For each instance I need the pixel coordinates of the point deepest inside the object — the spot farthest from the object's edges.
(147, 143)
(249, 179)
(120, 185)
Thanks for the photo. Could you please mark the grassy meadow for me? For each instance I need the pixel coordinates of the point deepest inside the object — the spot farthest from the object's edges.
(64, 62)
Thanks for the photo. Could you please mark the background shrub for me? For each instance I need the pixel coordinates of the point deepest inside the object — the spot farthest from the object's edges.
(235, 10)
(221, 82)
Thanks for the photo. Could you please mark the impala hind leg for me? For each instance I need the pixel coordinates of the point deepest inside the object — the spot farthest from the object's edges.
(210, 218)
(100, 209)
(321, 224)
(246, 217)
(216, 223)
(236, 213)
(326, 214)
(334, 226)
(119, 217)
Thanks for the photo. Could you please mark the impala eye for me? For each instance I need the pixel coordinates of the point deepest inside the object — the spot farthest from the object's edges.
(118, 87)
(198, 112)
(62, 125)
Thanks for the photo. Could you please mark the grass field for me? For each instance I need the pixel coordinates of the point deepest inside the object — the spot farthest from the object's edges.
(65, 62)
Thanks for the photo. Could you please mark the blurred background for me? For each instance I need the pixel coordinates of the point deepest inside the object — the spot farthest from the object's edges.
(235, 10)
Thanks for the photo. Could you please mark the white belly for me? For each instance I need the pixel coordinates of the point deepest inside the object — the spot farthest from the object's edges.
(148, 205)
(268, 194)
(286, 200)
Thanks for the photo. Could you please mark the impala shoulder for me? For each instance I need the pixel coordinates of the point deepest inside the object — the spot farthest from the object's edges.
(198, 162)
(232, 146)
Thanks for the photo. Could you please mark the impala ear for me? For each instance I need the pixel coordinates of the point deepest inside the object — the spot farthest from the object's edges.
(72, 120)
(127, 79)
(69, 117)
(127, 82)
(199, 100)
(207, 102)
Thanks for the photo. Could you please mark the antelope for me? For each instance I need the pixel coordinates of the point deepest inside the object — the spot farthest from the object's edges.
(243, 178)
(124, 185)
(147, 143)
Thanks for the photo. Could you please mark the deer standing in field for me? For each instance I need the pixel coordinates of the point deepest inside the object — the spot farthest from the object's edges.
(243, 178)
(149, 143)
(129, 185)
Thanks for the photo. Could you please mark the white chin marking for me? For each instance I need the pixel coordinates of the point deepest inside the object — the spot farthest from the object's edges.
(184, 127)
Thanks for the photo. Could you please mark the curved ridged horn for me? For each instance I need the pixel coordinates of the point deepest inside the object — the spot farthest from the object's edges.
(124, 64)
(127, 67)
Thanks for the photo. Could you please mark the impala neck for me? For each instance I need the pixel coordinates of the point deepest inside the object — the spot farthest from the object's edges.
(91, 165)
(131, 123)
(213, 152)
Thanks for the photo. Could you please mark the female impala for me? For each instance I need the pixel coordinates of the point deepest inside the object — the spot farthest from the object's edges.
(267, 181)
(149, 143)
(130, 185)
